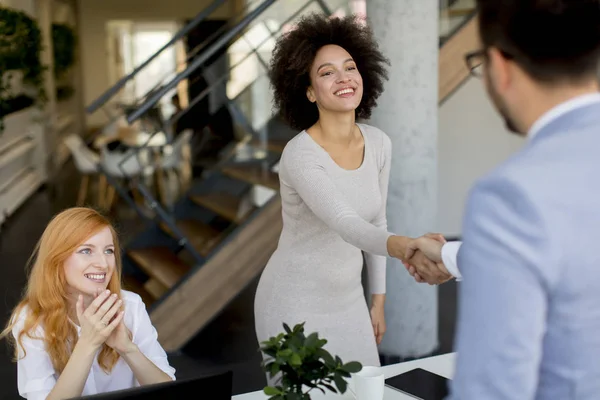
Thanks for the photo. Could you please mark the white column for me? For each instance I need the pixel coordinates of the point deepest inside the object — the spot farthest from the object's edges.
(407, 32)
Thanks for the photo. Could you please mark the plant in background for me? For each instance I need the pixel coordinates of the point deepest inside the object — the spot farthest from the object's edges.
(20, 48)
(302, 362)
(64, 42)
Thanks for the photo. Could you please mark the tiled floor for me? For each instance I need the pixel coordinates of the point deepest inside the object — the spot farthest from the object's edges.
(227, 343)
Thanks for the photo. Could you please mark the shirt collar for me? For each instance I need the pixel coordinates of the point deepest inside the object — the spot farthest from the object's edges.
(560, 110)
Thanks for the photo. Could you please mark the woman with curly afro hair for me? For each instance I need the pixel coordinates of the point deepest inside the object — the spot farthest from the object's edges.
(326, 73)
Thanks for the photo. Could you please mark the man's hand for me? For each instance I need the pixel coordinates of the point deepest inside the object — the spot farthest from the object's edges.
(424, 259)
(430, 244)
(424, 270)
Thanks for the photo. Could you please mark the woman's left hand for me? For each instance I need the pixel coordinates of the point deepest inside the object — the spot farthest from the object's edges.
(120, 339)
(378, 321)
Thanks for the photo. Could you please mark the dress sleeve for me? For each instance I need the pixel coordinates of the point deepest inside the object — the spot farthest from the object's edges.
(146, 338)
(304, 172)
(376, 264)
(35, 372)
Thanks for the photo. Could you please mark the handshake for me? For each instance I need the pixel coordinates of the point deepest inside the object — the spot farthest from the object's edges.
(422, 257)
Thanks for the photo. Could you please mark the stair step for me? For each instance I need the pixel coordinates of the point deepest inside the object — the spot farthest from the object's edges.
(202, 237)
(135, 286)
(234, 208)
(160, 263)
(155, 288)
(255, 174)
(460, 12)
(206, 291)
(274, 145)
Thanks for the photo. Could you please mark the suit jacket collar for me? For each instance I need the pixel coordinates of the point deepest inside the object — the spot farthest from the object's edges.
(562, 109)
(576, 113)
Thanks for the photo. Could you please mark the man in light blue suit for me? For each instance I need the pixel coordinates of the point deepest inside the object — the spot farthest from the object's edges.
(529, 302)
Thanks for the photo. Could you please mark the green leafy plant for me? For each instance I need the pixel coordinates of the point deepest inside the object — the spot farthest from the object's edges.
(302, 362)
(20, 48)
(64, 42)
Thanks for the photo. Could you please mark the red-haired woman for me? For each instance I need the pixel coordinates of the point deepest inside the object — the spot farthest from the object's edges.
(76, 332)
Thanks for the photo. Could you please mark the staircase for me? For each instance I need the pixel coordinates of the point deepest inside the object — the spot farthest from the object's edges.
(199, 253)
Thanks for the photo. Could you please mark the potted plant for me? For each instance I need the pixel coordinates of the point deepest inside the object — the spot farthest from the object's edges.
(303, 365)
(64, 42)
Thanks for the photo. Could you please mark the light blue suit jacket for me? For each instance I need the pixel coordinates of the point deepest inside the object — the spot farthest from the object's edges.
(529, 302)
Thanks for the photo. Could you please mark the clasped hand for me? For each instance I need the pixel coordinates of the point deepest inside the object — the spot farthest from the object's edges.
(422, 257)
(102, 322)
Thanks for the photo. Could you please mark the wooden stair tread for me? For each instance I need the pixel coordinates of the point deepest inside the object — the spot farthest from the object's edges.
(255, 174)
(274, 145)
(460, 12)
(202, 237)
(133, 285)
(155, 288)
(160, 263)
(452, 71)
(207, 291)
(234, 208)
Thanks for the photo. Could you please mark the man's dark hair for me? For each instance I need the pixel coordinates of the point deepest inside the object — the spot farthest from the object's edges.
(552, 40)
(294, 55)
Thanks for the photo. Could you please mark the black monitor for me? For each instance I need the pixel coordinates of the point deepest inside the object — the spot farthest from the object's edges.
(214, 387)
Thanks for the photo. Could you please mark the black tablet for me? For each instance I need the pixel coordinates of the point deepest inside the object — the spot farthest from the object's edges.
(420, 384)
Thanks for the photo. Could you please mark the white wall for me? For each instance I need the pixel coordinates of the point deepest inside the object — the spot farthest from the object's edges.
(94, 15)
(472, 140)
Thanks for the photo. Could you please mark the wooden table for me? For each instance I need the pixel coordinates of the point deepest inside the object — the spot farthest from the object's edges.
(442, 365)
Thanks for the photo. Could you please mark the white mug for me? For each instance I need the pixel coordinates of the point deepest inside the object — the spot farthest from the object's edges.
(368, 383)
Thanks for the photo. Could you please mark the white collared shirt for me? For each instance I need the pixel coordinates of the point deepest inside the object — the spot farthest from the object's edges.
(450, 249)
(36, 376)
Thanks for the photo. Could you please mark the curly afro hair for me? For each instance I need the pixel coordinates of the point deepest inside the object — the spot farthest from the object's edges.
(294, 55)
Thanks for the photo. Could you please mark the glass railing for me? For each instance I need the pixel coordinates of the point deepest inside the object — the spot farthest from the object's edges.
(201, 61)
(114, 90)
(113, 106)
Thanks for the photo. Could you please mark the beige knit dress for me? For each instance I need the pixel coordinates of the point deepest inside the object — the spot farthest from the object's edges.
(330, 214)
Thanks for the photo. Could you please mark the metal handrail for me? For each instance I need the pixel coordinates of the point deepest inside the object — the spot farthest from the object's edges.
(199, 61)
(108, 94)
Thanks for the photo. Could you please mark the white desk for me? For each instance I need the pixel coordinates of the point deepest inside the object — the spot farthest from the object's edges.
(442, 365)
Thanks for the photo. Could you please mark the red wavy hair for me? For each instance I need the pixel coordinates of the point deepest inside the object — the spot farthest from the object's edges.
(46, 295)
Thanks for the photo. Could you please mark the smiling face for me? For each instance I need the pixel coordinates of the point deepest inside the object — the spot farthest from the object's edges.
(92, 265)
(336, 84)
